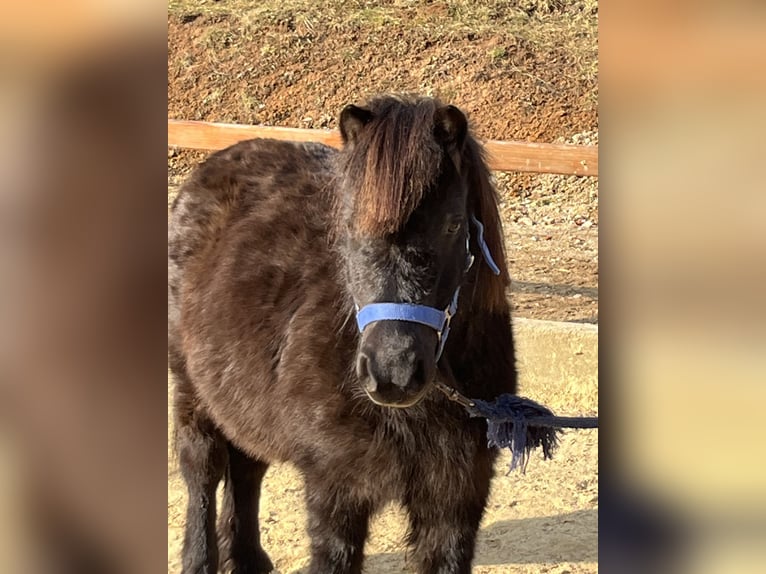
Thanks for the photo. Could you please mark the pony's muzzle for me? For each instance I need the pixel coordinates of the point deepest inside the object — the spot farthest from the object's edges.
(396, 362)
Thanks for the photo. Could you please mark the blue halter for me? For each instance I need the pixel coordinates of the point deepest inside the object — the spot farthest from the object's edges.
(439, 320)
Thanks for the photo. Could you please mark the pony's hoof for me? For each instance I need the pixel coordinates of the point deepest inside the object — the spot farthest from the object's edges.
(259, 563)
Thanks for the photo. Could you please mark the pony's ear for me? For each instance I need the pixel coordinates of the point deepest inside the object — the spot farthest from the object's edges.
(352, 120)
(450, 128)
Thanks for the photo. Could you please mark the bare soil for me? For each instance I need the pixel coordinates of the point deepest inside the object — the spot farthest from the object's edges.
(520, 69)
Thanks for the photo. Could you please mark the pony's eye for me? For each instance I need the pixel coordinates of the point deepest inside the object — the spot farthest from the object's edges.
(454, 227)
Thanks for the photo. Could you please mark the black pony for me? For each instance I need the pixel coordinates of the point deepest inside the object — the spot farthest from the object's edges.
(280, 254)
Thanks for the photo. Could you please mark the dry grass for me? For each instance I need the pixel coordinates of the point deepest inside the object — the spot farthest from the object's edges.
(568, 25)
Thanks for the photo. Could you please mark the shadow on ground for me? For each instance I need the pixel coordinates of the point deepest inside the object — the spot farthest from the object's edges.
(553, 289)
(570, 537)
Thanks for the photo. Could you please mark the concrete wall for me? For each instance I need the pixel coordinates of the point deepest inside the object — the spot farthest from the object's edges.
(558, 364)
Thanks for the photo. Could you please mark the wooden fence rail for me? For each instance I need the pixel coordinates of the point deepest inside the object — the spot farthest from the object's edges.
(503, 155)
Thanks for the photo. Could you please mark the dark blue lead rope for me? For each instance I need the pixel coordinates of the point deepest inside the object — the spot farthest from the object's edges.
(519, 424)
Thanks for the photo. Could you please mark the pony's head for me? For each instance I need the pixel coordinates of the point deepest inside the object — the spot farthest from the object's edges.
(416, 207)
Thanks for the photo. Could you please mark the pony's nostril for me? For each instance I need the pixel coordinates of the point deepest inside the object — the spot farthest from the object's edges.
(361, 366)
(419, 374)
(363, 372)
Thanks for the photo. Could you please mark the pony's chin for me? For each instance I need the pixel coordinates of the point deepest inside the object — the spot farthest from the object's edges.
(405, 403)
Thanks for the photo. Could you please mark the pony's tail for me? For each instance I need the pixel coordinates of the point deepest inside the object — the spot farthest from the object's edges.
(226, 524)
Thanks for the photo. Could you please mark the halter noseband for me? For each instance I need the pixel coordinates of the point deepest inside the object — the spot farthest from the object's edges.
(438, 319)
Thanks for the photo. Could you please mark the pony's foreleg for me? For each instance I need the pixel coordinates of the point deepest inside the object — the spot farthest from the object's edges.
(240, 534)
(444, 523)
(202, 458)
(338, 528)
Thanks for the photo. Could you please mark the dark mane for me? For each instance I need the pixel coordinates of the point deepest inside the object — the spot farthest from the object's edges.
(393, 163)
(491, 289)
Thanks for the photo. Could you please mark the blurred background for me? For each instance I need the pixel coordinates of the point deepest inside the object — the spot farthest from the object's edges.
(82, 268)
(83, 428)
(683, 313)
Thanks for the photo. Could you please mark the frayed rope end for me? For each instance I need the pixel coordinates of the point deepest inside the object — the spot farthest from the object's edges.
(511, 423)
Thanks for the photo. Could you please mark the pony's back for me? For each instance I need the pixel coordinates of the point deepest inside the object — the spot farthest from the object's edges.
(255, 177)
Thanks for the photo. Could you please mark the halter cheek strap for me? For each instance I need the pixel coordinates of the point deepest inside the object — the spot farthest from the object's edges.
(484, 247)
(438, 319)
